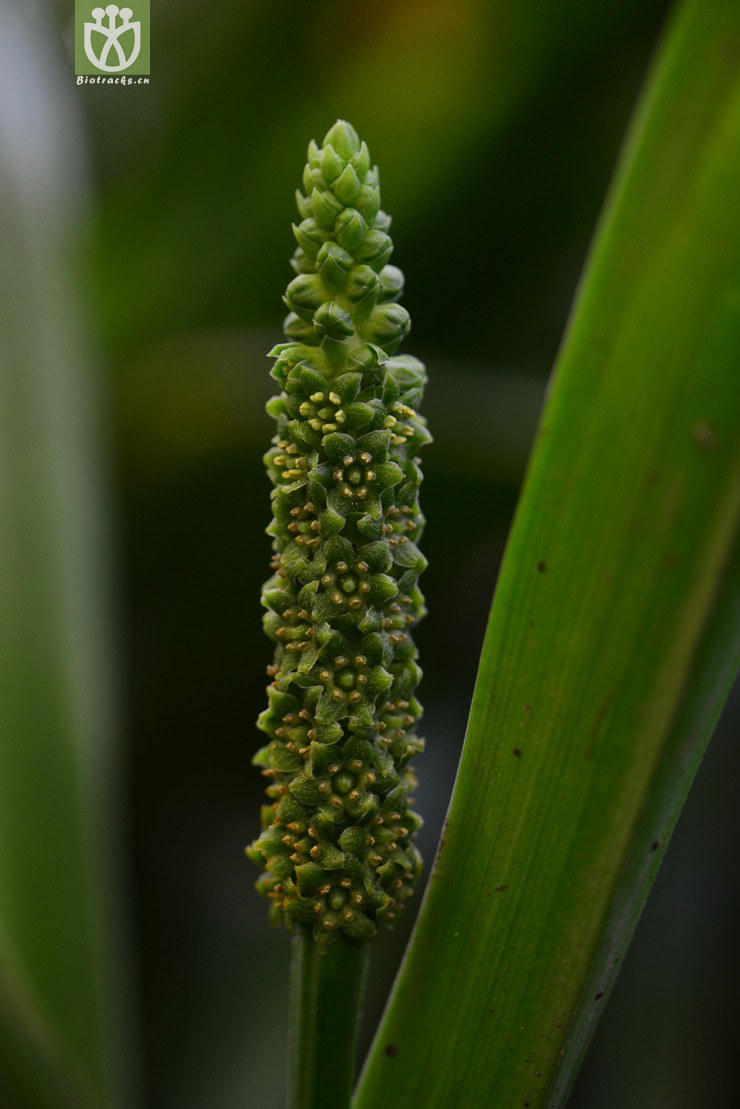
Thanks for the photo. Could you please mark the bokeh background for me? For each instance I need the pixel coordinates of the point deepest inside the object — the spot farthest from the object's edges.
(496, 126)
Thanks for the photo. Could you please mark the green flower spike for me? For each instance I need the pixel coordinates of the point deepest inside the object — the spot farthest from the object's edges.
(337, 844)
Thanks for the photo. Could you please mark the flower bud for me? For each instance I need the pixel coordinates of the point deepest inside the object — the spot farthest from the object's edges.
(304, 295)
(350, 229)
(387, 325)
(375, 249)
(325, 208)
(393, 282)
(331, 320)
(343, 137)
(347, 186)
(362, 282)
(331, 164)
(309, 236)
(333, 263)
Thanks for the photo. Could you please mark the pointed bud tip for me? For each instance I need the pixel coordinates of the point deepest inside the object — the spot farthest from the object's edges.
(343, 138)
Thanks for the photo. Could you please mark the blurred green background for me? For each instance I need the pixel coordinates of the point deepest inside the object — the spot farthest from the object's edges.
(496, 127)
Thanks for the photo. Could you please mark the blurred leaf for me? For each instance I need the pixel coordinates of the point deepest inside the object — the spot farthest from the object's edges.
(61, 989)
(612, 640)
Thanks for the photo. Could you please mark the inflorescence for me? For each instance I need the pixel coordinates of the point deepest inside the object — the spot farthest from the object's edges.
(337, 844)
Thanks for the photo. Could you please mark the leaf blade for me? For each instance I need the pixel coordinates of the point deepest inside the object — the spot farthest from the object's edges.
(63, 1005)
(619, 552)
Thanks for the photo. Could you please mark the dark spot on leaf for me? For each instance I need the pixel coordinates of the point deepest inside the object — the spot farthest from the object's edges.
(445, 826)
(517, 752)
(391, 1049)
(527, 709)
(599, 995)
(500, 889)
(671, 559)
(655, 845)
(541, 567)
(525, 1102)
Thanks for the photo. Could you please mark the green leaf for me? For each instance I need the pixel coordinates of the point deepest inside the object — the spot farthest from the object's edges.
(610, 648)
(61, 978)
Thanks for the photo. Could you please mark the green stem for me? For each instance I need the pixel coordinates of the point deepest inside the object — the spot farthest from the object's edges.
(325, 1002)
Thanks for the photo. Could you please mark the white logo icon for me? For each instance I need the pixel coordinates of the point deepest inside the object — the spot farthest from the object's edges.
(106, 37)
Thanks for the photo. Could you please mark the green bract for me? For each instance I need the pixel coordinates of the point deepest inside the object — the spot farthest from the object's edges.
(337, 844)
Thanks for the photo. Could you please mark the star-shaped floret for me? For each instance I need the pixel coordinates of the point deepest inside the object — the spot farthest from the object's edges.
(292, 727)
(349, 679)
(355, 583)
(357, 471)
(343, 900)
(288, 464)
(317, 407)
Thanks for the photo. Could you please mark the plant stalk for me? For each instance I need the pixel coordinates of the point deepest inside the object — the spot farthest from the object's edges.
(326, 992)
